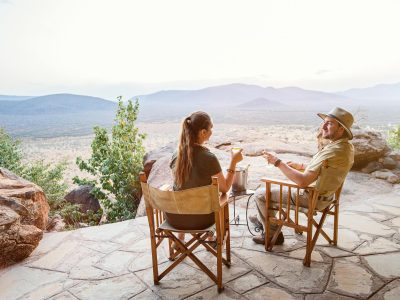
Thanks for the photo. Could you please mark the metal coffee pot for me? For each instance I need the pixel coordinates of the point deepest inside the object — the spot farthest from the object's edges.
(240, 180)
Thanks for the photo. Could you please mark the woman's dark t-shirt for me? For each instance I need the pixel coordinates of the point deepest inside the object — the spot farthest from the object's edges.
(205, 164)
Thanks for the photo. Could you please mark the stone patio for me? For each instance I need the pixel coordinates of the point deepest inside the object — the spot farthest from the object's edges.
(114, 262)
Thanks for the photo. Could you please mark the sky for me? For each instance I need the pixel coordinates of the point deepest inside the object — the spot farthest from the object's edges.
(110, 48)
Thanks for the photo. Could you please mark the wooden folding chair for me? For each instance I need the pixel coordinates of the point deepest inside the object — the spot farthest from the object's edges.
(201, 200)
(283, 217)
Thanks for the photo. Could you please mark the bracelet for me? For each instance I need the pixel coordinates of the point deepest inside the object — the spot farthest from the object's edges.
(230, 171)
(278, 161)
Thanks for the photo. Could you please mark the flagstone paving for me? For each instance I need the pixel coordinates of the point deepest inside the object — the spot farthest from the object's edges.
(114, 262)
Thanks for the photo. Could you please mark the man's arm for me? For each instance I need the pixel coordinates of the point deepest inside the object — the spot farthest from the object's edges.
(301, 179)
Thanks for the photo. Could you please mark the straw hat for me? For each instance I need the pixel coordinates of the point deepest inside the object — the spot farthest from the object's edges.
(342, 116)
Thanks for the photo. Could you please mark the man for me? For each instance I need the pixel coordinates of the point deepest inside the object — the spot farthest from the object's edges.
(329, 168)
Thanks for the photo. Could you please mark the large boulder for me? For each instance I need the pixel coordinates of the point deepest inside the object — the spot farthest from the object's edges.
(369, 146)
(82, 196)
(23, 217)
(152, 156)
(22, 193)
(17, 241)
(160, 174)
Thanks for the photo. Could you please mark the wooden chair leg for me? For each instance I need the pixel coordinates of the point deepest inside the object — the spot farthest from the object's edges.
(227, 234)
(336, 224)
(307, 257)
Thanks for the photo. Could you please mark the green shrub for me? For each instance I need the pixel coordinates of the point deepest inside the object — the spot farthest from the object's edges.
(72, 215)
(115, 163)
(50, 178)
(10, 153)
(394, 137)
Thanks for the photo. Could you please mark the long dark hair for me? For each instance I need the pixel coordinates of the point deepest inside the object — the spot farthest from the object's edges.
(190, 129)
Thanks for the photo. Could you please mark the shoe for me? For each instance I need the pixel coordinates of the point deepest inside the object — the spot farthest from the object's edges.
(260, 239)
(253, 219)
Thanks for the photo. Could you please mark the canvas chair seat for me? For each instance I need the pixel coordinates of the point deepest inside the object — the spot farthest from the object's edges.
(202, 200)
(167, 226)
(283, 217)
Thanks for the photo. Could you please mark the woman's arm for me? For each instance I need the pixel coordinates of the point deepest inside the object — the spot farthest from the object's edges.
(225, 182)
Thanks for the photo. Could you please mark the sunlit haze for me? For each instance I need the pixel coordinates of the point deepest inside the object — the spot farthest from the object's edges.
(108, 48)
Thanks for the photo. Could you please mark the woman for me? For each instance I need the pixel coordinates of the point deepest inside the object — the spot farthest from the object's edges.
(193, 166)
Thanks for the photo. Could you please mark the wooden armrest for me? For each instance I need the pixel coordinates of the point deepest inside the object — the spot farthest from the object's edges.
(286, 182)
(223, 200)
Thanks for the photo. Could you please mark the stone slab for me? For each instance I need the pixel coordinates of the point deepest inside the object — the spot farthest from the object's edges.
(347, 239)
(327, 296)
(212, 293)
(287, 272)
(50, 241)
(364, 224)
(237, 268)
(380, 245)
(386, 265)
(353, 280)
(247, 282)
(63, 296)
(22, 280)
(332, 251)
(122, 287)
(64, 257)
(117, 262)
(181, 282)
(104, 233)
(390, 292)
(270, 291)
(396, 221)
(300, 253)
(389, 209)
(146, 295)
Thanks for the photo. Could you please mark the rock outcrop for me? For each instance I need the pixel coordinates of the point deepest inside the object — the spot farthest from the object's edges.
(23, 217)
(368, 146)
(81, 195)
(27, 195)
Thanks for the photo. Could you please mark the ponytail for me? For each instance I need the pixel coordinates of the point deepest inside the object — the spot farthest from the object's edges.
(190, 129)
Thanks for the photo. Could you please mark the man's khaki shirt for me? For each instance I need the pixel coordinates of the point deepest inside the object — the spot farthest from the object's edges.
(332, 163)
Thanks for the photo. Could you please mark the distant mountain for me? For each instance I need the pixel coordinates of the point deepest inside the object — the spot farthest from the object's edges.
(382, 93)
(56, 104)
(237, 94)
(14, 98)
(260, 103)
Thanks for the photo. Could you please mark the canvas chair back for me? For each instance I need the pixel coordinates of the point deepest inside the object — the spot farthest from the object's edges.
(201, 200)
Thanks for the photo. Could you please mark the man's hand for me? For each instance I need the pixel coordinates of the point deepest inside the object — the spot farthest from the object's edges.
(269, 157)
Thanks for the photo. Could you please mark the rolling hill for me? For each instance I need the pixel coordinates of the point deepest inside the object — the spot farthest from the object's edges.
(381, 93)
(14, 98)
(56, 104)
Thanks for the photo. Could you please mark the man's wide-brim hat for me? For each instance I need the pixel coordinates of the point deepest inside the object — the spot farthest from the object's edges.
(342, 116)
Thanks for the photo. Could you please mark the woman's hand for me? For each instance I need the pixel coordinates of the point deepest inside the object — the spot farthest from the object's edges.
(236, 155)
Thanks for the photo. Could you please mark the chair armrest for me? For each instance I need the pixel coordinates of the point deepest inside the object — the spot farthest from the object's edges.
(286, 182)
(223, 200)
